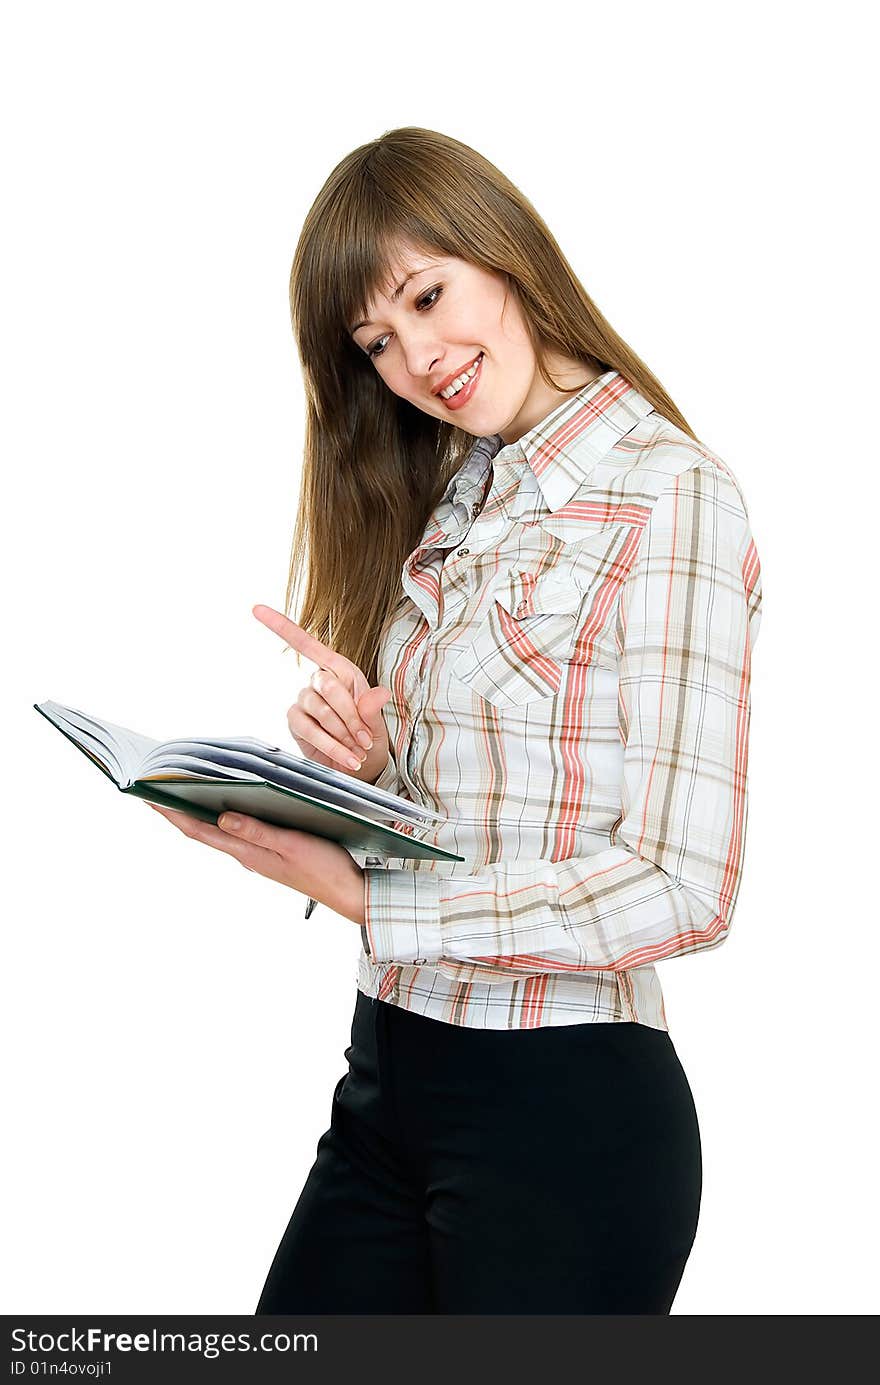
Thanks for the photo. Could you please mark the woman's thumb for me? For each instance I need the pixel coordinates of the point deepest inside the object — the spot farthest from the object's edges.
(370, 708)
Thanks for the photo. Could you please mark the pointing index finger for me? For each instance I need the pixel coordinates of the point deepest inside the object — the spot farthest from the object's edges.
(296, 637)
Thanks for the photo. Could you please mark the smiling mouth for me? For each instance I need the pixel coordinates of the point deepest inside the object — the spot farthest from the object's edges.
(463, 394)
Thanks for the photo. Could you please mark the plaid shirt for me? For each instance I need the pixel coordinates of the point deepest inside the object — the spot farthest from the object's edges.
(570, 677)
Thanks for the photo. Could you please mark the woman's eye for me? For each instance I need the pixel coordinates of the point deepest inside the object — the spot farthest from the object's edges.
(432, 295)
(428, 299)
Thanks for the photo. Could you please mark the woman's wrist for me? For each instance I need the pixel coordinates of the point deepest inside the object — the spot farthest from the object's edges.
(370, 776)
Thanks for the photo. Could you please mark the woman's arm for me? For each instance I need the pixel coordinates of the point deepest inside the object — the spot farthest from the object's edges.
(667, 883)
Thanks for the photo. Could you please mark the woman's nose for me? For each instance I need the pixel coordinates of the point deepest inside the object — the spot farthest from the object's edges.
(421, 359)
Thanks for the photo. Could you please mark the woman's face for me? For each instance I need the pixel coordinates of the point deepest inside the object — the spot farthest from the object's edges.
(450, 316)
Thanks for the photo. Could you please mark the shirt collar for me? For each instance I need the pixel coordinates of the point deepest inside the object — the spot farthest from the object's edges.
(565, 447)
(554, 457)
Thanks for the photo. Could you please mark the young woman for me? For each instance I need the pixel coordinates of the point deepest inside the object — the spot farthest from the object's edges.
(532, 599)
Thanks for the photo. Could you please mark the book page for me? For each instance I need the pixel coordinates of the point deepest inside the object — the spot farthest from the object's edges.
(347, 795)
(323, 774)
(123, 750)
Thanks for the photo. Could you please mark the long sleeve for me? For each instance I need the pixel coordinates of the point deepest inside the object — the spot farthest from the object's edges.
(667, 883)
(389, 778)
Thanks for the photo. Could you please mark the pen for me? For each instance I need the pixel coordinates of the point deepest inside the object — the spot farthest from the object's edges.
(310, 906)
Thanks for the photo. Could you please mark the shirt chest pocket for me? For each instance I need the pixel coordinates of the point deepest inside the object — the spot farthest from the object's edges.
(519, 651)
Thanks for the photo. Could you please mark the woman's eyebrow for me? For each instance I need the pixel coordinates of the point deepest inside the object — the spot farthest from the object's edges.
(432, 264)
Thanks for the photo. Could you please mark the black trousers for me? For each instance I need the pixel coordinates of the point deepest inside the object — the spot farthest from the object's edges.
(551, 1170)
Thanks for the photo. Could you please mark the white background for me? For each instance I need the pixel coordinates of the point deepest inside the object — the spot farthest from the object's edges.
(173, 1029)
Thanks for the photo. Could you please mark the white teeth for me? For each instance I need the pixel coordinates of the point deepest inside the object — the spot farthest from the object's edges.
(460, 381)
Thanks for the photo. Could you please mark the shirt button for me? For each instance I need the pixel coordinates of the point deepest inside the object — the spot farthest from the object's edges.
(475, 509)
(521, 609)
(463, 552)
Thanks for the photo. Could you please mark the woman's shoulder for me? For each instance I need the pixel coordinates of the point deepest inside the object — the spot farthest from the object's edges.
(657, 459)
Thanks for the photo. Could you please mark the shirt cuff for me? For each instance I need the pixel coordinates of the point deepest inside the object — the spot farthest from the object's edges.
(402, 915)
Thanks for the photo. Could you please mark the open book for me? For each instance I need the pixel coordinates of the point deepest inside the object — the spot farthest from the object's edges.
(208, 776)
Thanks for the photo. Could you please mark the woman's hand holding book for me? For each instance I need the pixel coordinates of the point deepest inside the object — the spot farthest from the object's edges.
(314, 867)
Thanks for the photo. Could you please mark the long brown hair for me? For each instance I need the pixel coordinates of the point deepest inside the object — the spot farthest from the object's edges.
(375, 466)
